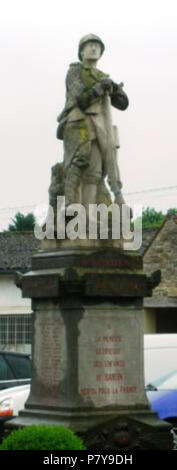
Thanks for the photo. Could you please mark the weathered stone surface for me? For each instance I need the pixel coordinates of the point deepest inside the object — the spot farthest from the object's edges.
(95, 256)
(49, 349)
(41, 285)
(139, 432)
(162, 254)
(87, 356)
(88, 348)
(57, 184)
(116, 285)
(111, 365)
(85, 126)
(89, 273)
(100, 342)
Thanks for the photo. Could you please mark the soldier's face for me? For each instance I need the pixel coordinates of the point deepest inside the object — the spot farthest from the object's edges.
(91, 51)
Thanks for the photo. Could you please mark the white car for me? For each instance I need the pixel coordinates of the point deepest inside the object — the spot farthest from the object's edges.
(160, 355)
(12, 400)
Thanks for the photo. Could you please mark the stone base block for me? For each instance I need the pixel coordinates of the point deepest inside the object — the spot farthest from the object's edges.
(127, 429)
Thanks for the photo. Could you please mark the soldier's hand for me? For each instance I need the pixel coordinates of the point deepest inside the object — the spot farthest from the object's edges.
(107, 85)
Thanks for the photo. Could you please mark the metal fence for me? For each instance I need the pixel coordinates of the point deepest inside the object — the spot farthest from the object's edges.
(16, 332)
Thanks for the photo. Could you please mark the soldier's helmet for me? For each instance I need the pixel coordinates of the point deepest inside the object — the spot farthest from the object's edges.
(88, 38)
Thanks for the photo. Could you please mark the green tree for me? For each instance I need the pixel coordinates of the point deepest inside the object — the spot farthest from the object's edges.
(152, 218)
(172, 211)
(22, 223)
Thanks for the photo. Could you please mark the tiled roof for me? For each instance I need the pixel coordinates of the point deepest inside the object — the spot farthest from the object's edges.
(16, 250)
(147, 238)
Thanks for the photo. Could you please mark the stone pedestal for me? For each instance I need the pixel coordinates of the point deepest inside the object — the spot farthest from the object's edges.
(88, 345)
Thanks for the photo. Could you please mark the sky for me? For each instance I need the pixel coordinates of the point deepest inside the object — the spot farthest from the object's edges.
(38, 41)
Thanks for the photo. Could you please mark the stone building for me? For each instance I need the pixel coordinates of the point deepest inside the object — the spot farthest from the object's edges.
(161, 253)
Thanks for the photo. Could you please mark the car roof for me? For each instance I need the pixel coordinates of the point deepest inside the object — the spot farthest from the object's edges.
(12, 353)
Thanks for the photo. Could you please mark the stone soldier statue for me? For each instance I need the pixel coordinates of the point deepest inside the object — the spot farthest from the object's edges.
(85, 126)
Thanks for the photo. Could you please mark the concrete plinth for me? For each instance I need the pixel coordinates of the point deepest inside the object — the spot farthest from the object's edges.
(88, 371)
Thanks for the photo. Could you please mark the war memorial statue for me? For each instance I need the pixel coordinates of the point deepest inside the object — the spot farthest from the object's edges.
(85, 126)
(87, 295)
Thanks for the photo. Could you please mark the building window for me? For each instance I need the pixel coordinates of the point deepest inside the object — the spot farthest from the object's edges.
(166, 320)
(15, 331)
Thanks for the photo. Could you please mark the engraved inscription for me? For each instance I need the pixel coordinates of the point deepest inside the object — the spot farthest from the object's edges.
(109, 358)
(49, 349)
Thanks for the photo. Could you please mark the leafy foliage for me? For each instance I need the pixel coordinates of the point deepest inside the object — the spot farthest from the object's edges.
(152, 218)
(172, 211)
(22, 223)
(42, 438)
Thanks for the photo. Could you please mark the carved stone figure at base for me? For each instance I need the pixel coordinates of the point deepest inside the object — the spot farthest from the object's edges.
(85, 126)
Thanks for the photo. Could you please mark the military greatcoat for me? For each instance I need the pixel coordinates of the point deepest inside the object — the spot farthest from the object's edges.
(86, 120)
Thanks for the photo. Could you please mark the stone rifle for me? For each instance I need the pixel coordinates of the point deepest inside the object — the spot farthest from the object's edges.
(111, 157)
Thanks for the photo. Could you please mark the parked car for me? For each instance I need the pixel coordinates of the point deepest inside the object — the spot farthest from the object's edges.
(160, 352)
(15, 369)
(12, 400)
(162, 394)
